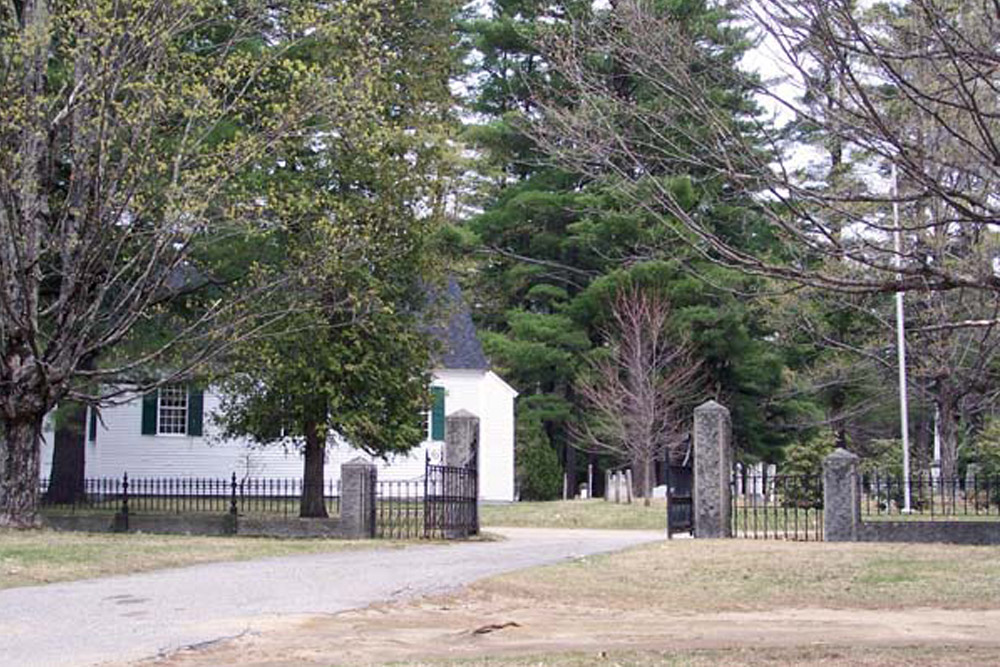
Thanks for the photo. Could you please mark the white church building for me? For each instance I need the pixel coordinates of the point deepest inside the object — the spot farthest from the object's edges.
(170, 433)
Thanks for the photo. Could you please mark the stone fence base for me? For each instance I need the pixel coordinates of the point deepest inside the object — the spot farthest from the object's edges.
(951, 532)
(214, 525)
(356, 521)
(842, 520)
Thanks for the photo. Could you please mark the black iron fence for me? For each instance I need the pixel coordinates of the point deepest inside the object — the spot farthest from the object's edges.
(777, 507)
(95, 495)
(931, 497)
(283, 496)
(399, 509)
(275, 497)
(443, 504)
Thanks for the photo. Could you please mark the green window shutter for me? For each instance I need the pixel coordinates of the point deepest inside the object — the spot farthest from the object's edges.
(92, 427)
(196, 409)
(149, 407)
(437, 414)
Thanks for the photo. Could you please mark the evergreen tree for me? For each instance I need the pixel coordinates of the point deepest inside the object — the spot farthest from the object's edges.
(555, 241)
(354, 360)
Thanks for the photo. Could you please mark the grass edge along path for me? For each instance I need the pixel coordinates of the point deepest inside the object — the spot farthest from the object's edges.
(34, 557)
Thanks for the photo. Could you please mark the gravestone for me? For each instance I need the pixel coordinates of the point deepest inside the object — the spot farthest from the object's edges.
(713, 465)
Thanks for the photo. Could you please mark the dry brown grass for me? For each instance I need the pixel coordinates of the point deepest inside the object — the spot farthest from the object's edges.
(686, 602)
(869, 656)
(39, 557)
(734, 575)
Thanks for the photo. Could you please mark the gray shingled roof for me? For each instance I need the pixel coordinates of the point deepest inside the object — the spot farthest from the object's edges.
(456, 332)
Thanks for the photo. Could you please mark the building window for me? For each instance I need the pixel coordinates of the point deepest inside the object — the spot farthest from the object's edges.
(172, 410)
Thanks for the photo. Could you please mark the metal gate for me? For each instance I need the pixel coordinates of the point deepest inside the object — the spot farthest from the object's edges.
(680, 499)
(451, 495)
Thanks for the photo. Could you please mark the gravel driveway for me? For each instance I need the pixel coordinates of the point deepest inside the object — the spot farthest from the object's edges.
(140, 616)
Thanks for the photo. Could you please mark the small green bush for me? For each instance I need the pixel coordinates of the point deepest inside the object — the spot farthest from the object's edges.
(803, 467)
(538, 471)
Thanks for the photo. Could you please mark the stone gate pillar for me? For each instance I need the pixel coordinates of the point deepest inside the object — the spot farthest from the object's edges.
(461, 438)
(713, 465)
(358, 482)
(461, 449)
(841, 497)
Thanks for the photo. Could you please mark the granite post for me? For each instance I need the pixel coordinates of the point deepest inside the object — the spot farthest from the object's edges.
(358, 481)
(461, 440)
(713, 465)
(461, 450)
(841, 497)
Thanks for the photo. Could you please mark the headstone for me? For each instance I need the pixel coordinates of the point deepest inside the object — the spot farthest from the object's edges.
(971, 477)
(713, 464)
(358, 483)
(841, 497)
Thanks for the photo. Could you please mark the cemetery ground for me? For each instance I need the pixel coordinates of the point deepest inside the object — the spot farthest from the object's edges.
(594, 513)
(684, 602)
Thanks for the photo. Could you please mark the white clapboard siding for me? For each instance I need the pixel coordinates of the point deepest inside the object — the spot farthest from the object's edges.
(120, 446)
(496, 433)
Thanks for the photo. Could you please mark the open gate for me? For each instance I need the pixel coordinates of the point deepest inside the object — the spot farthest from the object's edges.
(680, 499)
(451, 495)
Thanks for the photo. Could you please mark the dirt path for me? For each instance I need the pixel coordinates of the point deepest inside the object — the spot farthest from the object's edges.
(468, 626)
(137, 616)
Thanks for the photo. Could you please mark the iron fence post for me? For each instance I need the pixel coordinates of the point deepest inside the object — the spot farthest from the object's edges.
(427, 513)
(232, 496)
(125, 499)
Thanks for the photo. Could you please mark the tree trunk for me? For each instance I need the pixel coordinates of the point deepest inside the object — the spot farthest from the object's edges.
(19, 473)
(948, 430)
(647, 482)
(68, 455)
(312, 504)
(570, 463)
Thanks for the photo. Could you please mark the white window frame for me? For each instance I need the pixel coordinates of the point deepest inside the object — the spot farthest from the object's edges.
(160, 407)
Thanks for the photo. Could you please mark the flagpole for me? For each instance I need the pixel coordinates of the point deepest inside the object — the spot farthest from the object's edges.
(904, 420)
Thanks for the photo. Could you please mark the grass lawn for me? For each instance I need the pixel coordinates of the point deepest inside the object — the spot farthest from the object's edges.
(38, 557)
(576, 514)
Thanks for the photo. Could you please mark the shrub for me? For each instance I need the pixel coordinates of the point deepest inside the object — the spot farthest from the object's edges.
(803, 469)
(538, 471)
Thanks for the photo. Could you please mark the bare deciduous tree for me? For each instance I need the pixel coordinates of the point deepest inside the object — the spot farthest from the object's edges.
(912, 85)
(131, 134)
(638, 387)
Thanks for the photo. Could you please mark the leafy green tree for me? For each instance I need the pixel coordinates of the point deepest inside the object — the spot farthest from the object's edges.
(366, 383)
(353, 363)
